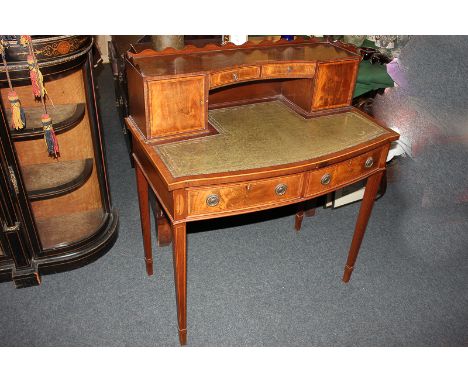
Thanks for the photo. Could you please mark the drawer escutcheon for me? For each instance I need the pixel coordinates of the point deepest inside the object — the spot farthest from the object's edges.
(369, 162)
(325, 179)
(212, 200)
(281, 189)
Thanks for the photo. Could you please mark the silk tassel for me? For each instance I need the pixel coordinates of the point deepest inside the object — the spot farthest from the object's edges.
(18, 117)
(37, 81)
(24, 40)
(49, 136)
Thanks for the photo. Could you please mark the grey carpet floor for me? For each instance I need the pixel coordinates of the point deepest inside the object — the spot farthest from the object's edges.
(254, 281)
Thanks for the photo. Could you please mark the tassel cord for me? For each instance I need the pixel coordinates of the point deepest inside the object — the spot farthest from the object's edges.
(36, 65)
(44, 105)
(6, 71)
(40, 92)
(38, 75)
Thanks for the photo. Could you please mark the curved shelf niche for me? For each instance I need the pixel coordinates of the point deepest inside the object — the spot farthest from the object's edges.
(64, 117)
(64, 230)
(44, 181)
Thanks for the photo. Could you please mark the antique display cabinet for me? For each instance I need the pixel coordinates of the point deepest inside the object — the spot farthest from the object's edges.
(55, 212)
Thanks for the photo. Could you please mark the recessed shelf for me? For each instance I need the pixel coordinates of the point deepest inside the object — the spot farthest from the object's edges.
(44, 181)
(64, 117)
(63, 230)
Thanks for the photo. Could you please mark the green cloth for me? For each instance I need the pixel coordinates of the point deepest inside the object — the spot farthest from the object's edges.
(368, 44)
(371, 77)
(265, 134)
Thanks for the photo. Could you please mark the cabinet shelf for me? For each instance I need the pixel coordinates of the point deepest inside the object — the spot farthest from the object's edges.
(44, 181)
(64, 230)
(64, 117)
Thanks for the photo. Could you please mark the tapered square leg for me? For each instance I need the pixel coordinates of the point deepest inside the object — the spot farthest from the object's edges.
(372, 186)
(304, 209)
(164, 231)
(310, 206)
(299, 217)
(179, 245)
(163, 227)
(143, 201)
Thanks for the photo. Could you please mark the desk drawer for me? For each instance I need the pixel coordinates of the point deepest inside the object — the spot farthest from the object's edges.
(244, 195)
(342, 173)
(288, 70)
(227, 77)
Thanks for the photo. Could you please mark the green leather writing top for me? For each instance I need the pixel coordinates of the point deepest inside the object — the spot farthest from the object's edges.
(264, 134)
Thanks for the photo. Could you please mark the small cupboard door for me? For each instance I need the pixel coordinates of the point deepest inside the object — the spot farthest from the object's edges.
(177, 106)
(334, 85)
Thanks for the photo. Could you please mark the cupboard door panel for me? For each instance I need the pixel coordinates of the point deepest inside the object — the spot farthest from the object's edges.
(177, 106)
(334, 85)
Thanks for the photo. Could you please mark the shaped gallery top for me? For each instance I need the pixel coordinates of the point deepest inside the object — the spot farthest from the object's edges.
(212, 58)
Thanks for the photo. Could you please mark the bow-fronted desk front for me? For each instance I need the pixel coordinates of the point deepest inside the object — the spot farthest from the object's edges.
(258, 150)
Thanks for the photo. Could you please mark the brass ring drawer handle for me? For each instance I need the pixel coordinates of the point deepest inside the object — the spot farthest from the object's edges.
(369, 162)
(281, 189)
(325, 179)
(235, 77)
(212, 200)
(289, 69)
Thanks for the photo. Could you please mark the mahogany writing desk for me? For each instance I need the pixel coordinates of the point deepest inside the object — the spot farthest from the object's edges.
(221, 131)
